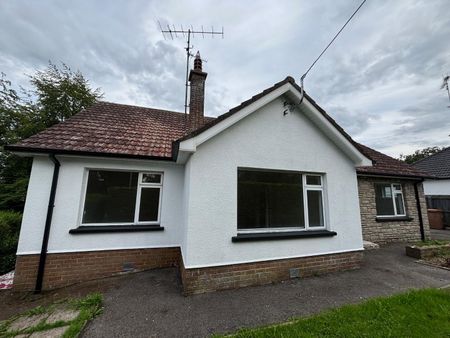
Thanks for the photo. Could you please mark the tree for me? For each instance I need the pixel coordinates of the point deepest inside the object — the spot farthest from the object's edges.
(56, 94)
(61, 93)
(420, 154)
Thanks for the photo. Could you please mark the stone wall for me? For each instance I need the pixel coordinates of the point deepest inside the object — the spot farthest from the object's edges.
(380, 231)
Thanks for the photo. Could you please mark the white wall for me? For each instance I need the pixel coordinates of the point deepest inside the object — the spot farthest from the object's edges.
(437, 187)
(265, 139)
(68, 207)
(199, 201)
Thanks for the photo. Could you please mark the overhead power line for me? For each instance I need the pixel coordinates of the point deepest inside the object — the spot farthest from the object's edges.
(323, 52)
(331, 42)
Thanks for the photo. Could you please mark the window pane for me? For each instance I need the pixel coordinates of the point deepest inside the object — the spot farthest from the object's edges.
(269, 200)
(151, 178)
(315, 208)
(110, 197)
(383, 196)
(313, 180)
(148, 210)
(399, 204)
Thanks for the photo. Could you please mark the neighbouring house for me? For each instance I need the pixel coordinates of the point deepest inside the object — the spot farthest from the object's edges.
(437, 188)
(273, 189)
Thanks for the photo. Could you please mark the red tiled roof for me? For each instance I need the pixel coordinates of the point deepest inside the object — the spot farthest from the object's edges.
(386, 165)
(111, 129)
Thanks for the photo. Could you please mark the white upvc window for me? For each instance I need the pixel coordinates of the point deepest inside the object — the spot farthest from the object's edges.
(389, 200)
(314, 201)
(114, 197)
(280, 201)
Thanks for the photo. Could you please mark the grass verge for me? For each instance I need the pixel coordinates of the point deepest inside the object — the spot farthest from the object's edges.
(419, 313)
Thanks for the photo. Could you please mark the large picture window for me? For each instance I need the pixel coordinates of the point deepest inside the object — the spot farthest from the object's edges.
(119, 197)
(279, 200)
(389, 199)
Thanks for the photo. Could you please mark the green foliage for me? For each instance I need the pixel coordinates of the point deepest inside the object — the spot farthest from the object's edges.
(420, 313)
(9, 235)
(432, 243)
(57, 93)
(89, 307)
(61, 93)
(420, 154)
(12, 195)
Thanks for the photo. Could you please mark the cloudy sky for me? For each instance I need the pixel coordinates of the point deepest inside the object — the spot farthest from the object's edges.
(380, 80)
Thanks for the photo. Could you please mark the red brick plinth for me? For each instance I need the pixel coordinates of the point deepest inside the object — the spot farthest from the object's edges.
(62, 269)
(200, 280)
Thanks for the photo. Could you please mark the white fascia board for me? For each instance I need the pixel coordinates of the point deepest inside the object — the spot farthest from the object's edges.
(190, 145)
(330, 130)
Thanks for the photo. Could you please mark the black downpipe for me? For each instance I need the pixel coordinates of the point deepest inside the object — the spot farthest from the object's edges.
(48, 223)
(419, 210)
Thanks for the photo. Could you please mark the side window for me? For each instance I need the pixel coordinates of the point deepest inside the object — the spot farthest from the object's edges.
(389, 199)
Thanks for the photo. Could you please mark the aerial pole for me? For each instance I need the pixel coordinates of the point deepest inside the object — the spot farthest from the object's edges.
(186, 33)
(445, 86)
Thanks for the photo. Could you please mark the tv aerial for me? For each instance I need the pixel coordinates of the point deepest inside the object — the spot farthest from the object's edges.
(173, 32)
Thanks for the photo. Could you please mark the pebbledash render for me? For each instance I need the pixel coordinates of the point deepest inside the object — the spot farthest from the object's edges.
(273, 189)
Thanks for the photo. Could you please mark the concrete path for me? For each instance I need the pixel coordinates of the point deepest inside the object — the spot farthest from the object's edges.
(46, 323)
(150, 304)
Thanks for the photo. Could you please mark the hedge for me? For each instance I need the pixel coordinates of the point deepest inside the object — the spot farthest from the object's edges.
(9, 236)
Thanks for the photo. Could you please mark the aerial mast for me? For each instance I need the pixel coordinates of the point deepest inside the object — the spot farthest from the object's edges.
(187, 34)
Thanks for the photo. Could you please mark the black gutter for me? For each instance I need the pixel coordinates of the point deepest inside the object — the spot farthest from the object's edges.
(53, 152)
(419, 210)
(48, 223)
(385, 175)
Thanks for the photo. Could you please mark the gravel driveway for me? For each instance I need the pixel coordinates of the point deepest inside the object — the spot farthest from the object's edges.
(150, 304)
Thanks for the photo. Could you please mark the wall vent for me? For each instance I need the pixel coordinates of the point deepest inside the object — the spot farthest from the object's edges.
(127, 267)
(294, 273)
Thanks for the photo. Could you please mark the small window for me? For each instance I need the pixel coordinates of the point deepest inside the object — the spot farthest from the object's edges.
(117, 197)
(389, 199)
(313, 180)
(275, 200)
(151, 178)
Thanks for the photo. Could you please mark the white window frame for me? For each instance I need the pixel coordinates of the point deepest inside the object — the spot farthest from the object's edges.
(394, 192)
(314, 187)
(139, 188)
(305, 188)
(142, 185)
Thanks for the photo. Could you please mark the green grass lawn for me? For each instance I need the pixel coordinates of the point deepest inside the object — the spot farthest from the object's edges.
(421, 313)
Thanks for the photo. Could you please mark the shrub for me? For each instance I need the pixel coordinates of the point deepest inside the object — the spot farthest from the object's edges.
(12, 195)
(9, 236)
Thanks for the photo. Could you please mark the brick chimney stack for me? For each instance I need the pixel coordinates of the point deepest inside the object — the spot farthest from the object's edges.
(197, 98)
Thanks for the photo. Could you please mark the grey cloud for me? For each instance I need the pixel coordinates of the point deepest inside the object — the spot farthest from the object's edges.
(392, 46)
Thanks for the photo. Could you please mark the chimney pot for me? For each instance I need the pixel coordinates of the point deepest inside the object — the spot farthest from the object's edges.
(198, 62)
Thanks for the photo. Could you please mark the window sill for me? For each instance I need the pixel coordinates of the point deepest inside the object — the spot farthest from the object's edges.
(264, 236)
(87, 229)
(394, 219)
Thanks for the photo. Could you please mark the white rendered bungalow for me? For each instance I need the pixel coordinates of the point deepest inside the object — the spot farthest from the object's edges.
(263, 193)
